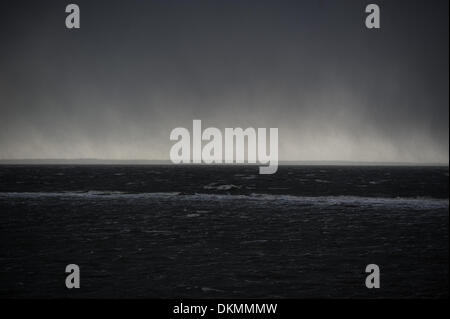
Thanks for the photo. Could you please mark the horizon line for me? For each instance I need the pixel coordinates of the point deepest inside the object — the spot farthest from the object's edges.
(84, 161)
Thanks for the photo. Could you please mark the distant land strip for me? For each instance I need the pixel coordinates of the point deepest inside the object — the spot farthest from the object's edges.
(94, 161)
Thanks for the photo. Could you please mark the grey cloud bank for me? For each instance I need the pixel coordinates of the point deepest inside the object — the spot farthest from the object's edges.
(116, 87)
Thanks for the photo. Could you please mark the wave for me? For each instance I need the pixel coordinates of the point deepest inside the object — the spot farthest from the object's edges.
(413, 202)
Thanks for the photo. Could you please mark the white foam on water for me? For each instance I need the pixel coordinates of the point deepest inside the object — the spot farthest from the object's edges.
(414, 203)
(224, 187)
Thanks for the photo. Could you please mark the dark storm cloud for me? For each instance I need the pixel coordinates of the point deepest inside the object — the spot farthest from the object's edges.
(137, 69)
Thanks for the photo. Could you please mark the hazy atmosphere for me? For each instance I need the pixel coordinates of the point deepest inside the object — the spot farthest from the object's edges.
(115, 88)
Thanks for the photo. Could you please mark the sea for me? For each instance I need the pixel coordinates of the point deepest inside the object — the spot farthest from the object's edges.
(167, 231)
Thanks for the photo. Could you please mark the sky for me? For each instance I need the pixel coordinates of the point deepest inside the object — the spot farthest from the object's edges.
(135, 70)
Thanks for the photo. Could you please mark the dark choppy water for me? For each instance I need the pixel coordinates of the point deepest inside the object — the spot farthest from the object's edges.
(177, 231)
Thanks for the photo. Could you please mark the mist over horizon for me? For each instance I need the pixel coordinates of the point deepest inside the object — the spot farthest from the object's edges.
(115, 88)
